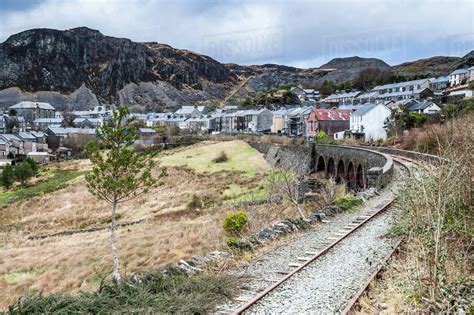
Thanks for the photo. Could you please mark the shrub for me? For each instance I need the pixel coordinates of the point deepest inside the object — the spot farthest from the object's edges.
(347, 203)
(34, 165)
(233, 242)
(7, 178)
(221, 158)
(235, 222)
(152, 292)
(23, 172)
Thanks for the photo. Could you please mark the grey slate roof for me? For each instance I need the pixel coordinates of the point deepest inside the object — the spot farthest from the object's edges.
(185, 110)
(28, 104)
(48, 121)
(60, 130)
(400, 84)
(402, 93)
(420, 106)
(364, 109)
(26, 136)
(459, 71)
(343, 95)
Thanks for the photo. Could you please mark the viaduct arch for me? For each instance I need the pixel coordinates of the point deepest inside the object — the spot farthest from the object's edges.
(359, 168)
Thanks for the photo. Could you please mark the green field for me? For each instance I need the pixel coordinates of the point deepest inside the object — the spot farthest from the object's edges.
(241, 157)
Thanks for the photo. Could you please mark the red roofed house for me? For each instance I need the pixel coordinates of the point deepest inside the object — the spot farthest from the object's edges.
(328, 120)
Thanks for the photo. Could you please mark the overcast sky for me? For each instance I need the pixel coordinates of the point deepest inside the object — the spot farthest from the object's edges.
(297, 33)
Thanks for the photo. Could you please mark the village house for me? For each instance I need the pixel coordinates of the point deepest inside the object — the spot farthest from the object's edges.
(45, 123)
(412, 85)
(439, 83)
(188, 112)
(253, 120)
(56, 136)
(101, 111)
(305, 95)
(425, 107)
(157, 119)
(87, 122)
(418, 94)
(368, 122)
(15, 144)
(344, 98)
(205, 123)
(146, 132)
(330, 121)
(33, 110)
(280, 119)
(367, 97)
(9, 124)
(4, 148)
(459, 76)
(297, 120)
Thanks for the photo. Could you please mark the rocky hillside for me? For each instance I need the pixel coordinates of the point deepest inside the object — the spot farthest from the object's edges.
(83, 61)
(269, 76)
(434, 66)
(80, 68)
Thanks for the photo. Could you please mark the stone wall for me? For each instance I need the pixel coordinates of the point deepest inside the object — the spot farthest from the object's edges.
(360, 167)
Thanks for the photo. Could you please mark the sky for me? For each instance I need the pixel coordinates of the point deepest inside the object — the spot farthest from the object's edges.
(298, 33)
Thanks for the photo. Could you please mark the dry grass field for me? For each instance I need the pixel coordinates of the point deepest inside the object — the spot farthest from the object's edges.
(181, 218)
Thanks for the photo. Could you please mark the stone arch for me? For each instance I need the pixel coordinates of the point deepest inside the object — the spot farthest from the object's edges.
(351, 176)
(331, 168)
(321, 165)
(360, 184)
(341, 173)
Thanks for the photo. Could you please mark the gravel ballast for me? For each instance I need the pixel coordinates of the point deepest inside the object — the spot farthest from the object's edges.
(327, 284)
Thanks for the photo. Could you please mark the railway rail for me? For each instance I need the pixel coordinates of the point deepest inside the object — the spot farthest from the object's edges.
(311, 257)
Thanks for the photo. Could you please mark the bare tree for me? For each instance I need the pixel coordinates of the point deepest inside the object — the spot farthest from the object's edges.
(286, 181)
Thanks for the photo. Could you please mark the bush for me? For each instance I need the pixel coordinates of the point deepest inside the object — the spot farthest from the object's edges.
(23, 172)
(221, 158)
(233, 242)
(7, 178)
(235, 222)
(34, 165)
(152, 292)
(347, 203)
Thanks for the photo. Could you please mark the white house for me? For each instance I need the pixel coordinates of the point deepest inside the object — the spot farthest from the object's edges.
(368, 122)
(459, 76)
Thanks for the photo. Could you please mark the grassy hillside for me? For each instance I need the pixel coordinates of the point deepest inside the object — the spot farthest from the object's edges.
(181, 218)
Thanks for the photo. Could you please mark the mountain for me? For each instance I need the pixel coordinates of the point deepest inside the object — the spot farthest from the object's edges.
(80, 68)
(85, 62)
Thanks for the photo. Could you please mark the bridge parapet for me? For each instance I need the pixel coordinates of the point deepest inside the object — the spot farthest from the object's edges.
(358, 167)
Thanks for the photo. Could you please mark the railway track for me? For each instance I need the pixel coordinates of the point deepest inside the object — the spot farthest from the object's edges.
(353, 302)
(313, 256)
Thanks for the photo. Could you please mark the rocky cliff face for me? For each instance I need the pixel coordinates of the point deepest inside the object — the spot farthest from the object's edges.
(63, 61)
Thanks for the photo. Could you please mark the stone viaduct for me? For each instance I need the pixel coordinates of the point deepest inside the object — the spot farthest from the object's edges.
(359, 168)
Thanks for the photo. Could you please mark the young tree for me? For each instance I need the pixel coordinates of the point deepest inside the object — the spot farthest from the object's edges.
(119, 174)
(7, 178)
(34, 165)
(23, 172)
